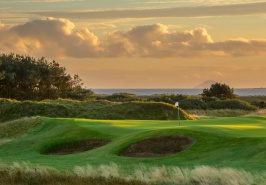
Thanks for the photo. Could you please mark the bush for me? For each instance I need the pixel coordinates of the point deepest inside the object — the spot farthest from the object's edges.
(218, 90)
(193, 104)
(218, 104)
(80, 94)
(209, 99)
(231, 104)
(11, 110)
(17, 109)
(168, 98)
(260, 104)
(122, 97)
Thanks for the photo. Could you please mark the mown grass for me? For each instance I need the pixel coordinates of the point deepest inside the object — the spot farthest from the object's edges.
(235, 142)
(12, 109)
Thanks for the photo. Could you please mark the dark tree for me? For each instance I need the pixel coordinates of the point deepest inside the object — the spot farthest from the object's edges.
(2, 73)
(218, 90)
(26, 78)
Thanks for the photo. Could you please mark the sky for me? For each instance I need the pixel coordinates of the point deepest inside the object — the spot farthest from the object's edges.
(142, 43)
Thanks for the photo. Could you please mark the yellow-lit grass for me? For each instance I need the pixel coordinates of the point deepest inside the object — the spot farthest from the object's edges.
(236, 126)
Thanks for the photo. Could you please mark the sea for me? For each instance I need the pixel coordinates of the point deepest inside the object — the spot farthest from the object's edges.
(240, 92)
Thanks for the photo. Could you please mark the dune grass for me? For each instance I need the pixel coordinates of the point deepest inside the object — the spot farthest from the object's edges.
(200, 113)
(15, 128)
(113, 174)
(106, 110)
(21, 174)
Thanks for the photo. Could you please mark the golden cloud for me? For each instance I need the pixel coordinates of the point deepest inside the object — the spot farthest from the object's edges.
(60, 38)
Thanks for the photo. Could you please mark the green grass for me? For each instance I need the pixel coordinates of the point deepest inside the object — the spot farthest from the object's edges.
(235, 142)
(16, 128)
(200, 113)
(252, 98)
(12, 109)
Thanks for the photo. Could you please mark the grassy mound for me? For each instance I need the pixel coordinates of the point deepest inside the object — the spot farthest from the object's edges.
(199, 113)
(16, 128)
(157, 146)
(11, 109)
(72, 147)
(218, 104)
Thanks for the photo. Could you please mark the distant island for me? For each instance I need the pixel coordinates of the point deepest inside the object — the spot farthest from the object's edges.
(205, 84)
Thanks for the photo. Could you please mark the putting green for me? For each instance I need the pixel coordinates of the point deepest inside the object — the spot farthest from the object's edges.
(233, 142)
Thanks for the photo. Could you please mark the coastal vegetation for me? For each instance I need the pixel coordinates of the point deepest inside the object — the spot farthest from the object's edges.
(13, 109)
(32, 83)
(112, 174)
(26, 78)
(55, 131)
(218, 90)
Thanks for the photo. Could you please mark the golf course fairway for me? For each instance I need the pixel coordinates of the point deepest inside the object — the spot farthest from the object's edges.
(238, 142)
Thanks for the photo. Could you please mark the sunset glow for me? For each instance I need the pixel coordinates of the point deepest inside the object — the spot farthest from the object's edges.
(142, 44)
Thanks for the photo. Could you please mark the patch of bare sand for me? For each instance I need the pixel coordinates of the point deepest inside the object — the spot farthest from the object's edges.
(157, 146)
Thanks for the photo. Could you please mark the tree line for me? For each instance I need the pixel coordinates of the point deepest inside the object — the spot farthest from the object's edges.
(26, 78)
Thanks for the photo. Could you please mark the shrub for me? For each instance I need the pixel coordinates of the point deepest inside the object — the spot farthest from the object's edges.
(11, 110)
(209, 99)
(122, 97)
(216, 104)
(193, 104)
(17, 109)
(219, 90)
(260, 104)
(231, 104)
(168, 98)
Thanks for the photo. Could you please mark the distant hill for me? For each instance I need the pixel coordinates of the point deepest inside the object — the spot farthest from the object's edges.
(205, 84)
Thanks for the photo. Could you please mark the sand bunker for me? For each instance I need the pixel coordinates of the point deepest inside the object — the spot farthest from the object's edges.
(157, 146)
(75, 146)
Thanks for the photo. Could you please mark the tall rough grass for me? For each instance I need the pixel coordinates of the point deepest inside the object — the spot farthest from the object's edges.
(10, 110)
(22, 174)
(16, 128)
(199, 175)
(199, 113)
(112, 174)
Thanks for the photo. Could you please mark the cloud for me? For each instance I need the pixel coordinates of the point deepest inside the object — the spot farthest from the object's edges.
(153, 41)
(41, 1)
(239, 47)
(216, 2)
(2, 26)
(195, 11)
(50, 37)
(102, 26)
(60, 38)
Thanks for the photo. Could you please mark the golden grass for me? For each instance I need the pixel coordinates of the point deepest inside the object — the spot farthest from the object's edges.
(235, 126)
